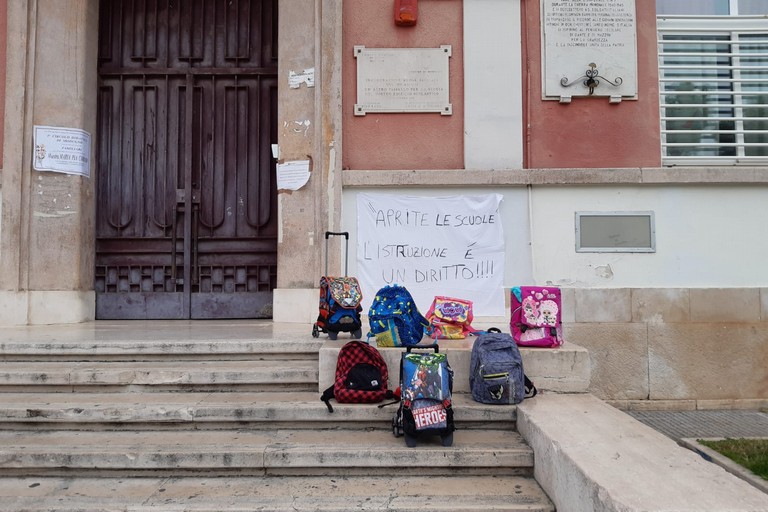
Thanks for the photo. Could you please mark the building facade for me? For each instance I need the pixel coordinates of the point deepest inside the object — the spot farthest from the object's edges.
(226, 139)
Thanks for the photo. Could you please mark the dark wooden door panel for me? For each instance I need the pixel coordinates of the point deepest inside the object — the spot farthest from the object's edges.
(179, 34)
(186, 206)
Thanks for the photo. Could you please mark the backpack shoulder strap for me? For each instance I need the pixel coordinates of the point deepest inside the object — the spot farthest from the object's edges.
(530, 389)
(326, 397)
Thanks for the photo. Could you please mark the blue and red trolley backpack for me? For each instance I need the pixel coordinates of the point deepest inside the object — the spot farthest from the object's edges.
(340, 299)
(426, 384)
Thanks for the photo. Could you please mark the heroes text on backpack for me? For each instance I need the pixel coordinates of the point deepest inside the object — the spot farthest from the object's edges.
(361, 376)
(496, 373)
(426, 384)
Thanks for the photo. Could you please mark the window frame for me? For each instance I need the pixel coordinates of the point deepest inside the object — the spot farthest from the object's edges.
(732, 27)
(579, 227)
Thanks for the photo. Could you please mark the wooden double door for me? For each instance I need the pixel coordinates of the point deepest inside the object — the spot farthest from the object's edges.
(186, 220)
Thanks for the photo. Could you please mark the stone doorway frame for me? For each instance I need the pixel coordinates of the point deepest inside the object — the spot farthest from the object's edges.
(47, 220)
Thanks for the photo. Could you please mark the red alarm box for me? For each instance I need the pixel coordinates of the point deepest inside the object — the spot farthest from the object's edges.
(406, 12)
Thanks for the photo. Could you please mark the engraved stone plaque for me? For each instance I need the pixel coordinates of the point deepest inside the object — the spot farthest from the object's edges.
(590, 48)
(402, 80)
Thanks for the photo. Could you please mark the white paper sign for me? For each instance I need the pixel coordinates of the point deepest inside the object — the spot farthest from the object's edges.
(66, 150)
(304, 77)
(292, 175)
(450, 246)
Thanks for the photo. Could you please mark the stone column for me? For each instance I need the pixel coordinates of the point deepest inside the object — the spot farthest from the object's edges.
(47, 223)
(309, 127)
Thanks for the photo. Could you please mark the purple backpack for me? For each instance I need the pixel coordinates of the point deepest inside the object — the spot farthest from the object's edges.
(535, 319)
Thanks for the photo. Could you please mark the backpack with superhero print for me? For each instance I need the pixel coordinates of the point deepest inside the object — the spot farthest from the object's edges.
(426, 384)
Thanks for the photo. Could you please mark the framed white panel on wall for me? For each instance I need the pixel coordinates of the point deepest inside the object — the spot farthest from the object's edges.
(403, 80)
(589, 49)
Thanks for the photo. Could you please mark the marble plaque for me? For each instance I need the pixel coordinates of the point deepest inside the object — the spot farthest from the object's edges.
(402, 80)
(589, 42)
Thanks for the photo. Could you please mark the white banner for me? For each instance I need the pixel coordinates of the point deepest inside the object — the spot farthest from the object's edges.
(450, 246)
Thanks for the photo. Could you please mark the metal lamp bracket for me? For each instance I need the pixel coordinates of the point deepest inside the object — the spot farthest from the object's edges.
(591, 79)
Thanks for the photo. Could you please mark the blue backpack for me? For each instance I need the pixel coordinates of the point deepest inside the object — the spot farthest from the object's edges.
(496, 370)
(394, 318)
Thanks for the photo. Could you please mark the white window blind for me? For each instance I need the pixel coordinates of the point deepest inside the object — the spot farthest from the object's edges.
(713, 89)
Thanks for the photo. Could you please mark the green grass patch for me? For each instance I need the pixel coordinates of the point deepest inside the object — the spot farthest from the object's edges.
(750, 453)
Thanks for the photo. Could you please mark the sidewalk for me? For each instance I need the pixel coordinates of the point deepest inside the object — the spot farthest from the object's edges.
(687, 427)
(705, 424)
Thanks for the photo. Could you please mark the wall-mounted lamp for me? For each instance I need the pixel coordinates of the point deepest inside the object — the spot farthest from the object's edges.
(592, 74)
(406, 12)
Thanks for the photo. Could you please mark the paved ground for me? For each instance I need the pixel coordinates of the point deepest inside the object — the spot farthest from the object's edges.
(701, 424)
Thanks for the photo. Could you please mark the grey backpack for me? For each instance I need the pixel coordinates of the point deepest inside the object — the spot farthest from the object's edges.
(496, 370)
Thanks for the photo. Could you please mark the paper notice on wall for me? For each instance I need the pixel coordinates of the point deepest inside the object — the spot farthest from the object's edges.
(433, 246)
(292, 175)
(295, 79)
(65, 150)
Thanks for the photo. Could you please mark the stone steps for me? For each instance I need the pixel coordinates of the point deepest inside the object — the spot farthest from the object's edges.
(195, 410)
(144, 376)
(295, 452)
(336, 493)
(207, 416)
(43, 348)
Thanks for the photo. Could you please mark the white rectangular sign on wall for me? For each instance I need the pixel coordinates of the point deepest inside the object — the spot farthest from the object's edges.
(402, 80)
(589, 42)
(452, 245)
(65, 150)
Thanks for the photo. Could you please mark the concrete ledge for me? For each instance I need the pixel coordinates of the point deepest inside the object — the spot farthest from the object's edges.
(562, 370)
(725, 463)
(591, 457)
(522, 177)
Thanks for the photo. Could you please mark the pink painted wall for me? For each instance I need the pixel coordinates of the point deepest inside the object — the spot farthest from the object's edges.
(403, 141)
(590, 132)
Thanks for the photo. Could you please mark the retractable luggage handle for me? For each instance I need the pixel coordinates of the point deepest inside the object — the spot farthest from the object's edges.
(345, 234)
(434, 346)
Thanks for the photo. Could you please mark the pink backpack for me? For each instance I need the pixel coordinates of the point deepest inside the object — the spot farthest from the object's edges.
(535, 319)
(451, 318)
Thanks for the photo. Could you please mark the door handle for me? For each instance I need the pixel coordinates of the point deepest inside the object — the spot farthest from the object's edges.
(194, 274)
(178, 211)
